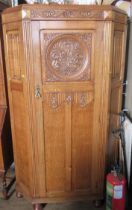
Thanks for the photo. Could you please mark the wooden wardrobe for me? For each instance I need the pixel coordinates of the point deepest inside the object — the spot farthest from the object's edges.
(65, 68)
(6, 151)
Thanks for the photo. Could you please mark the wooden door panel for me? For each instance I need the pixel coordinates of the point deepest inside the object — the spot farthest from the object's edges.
(67, 75)
(82, 135)
(19, 107)
(54, 143)
(68, 127)
(71, 100)
(21, 136)
(68, 72)
(21, 128)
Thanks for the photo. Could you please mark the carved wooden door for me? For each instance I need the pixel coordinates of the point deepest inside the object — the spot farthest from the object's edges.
(68, 108)
(70, 103)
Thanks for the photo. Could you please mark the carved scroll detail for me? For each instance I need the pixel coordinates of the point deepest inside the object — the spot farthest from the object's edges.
(56, 99)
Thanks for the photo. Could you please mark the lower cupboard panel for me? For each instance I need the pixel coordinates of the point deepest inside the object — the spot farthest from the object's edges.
(68, 148)
(21, 142)
(54, 143)
(82, 135)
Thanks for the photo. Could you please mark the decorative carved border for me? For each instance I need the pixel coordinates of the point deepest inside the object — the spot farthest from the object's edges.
(66, 13)
(56, 99)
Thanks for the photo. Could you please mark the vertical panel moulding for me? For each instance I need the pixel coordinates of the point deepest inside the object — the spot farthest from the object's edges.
(101, 94)
(114, 53)
(2, 82)
(105, 99)
(39, 149)
(98, 60)
(123, 54)
(28, 88)
(68, 144)
(120, 55)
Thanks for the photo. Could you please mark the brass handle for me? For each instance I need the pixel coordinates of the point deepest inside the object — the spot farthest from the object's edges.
(37, 92)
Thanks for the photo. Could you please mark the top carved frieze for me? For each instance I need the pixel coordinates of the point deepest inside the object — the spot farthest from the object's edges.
(63, 12)
(67, 14)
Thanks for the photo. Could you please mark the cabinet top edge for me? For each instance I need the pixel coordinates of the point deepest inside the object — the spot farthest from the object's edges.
(63, 12)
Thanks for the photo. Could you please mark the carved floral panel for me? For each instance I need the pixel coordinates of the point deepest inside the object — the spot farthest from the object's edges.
(66, 57)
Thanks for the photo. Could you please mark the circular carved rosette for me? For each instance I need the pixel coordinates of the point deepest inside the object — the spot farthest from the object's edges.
(67, 57)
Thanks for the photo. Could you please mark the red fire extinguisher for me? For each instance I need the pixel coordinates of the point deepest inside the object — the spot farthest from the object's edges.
(115, 192)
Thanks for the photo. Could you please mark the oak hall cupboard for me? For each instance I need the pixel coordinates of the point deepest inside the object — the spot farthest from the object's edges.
(65, 68)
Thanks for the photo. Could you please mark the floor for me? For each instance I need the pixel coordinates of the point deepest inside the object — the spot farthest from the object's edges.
(14, 203)
(21, 204)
